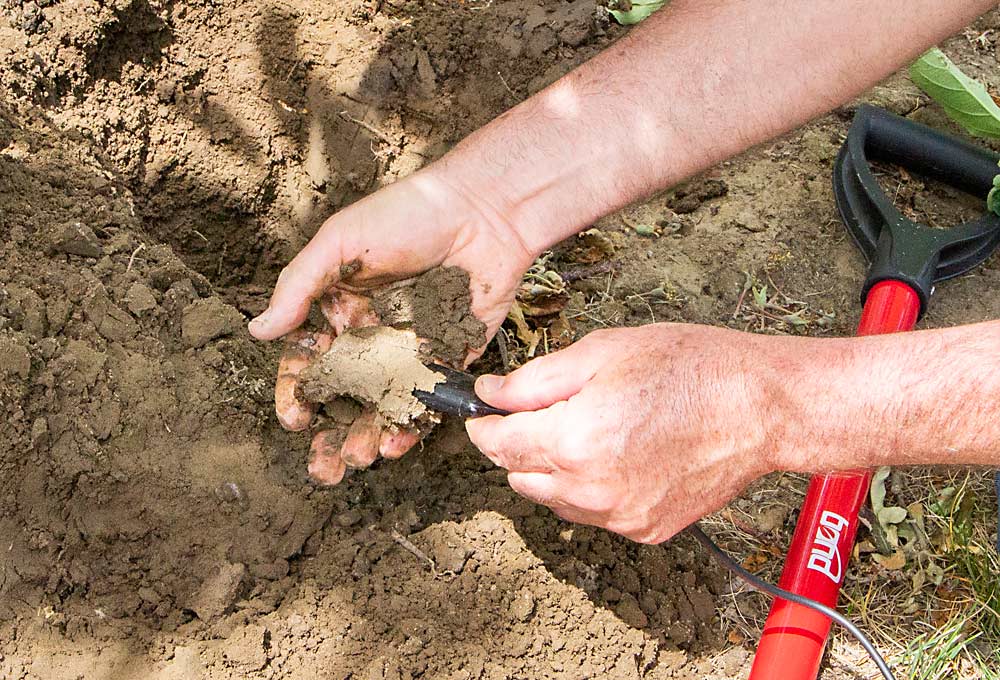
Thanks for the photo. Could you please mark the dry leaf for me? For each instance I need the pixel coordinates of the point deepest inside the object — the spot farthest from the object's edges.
(528, 337)
(893, 562)
(755, 562)
(560, 332)
(545, 305)
(591, 246)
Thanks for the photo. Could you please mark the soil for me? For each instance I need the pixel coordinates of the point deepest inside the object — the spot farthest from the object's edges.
(378, 366)
(159, 163)
(437, 306)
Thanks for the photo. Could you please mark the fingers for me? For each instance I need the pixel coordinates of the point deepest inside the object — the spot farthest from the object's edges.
(304, 279)
(393, 444)
(537, 487)
(543, 381)
(326, 465)
(361, 446)
(545, 489)
(293, 413)
(332, 452)
(520, 442)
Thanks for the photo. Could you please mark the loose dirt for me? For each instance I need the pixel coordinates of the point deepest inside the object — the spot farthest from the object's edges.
(159, 163)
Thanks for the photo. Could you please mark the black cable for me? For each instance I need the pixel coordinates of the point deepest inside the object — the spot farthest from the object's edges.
(773, 590)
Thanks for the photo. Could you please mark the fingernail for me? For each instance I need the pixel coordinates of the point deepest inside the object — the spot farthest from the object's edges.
(489, 384)
(260, 319)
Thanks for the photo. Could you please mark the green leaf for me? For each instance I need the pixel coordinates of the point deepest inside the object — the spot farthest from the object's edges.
(965, 100)
(640, 10)
(945, 500)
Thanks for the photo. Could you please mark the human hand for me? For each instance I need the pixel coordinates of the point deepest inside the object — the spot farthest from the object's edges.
(641, 431)
(403, 230)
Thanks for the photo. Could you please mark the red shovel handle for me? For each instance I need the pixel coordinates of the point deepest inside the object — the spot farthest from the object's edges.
(791, 646)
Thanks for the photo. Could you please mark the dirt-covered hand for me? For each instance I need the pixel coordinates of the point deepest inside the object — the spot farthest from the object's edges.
(401, 231)
(641, 431)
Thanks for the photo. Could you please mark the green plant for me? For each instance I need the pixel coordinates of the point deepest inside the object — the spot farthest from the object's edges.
(972, 562)
(628, 13)
(938, 654)
(965, 100)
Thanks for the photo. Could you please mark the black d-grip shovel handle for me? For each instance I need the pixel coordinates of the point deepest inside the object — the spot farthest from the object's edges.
(896, 247)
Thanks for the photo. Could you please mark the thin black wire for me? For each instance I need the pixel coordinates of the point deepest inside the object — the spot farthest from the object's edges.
(773, 590)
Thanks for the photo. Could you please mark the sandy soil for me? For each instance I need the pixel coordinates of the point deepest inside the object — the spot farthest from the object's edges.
(159, 162)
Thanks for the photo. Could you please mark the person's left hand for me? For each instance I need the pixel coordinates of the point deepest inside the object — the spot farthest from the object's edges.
(641, 431)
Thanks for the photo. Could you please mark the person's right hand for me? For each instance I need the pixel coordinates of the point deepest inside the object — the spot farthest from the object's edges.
(396, 233)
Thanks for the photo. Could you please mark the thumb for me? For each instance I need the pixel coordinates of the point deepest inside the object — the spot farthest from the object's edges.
(303, 280)
(543, 381)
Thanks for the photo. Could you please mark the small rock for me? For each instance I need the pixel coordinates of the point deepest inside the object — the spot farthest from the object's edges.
(523, 605)
(75, 238)
(205, 320)
(140, 299)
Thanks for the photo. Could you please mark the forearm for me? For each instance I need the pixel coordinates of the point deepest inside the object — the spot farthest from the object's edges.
(929, 397)
(698, 82)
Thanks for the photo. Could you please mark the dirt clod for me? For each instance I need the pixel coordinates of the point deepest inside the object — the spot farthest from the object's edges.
(74, 238)
(205, 320)
(14, 357)
(437, 306)
(140, 299)
(380, 366)
(219, 592)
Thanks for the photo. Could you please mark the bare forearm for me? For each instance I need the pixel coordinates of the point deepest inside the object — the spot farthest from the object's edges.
(698, 82)
(929, 397)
